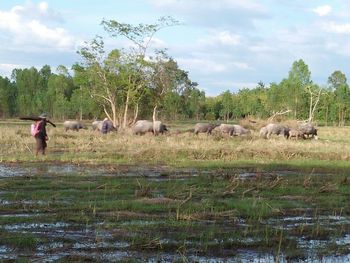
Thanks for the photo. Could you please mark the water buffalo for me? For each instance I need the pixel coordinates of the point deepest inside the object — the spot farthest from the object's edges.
(159, 127)
(295, 134)
(274, 128)
(97, 125)
(308, 129)
(263, 132)
(73, 125)
(238, 130)
(226, 128)
(204, 128)
(142, 126)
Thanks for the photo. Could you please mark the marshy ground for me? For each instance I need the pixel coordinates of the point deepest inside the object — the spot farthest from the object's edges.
(177, 198)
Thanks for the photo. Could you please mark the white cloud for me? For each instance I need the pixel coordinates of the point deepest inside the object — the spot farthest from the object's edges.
(208, 65)
(43, 7)
(260, 48)
(208, 4)
(322, 10)
(30, 33)
(241, 65)
(225, 38)
(155, 43)
(40, 11)
(202, 65)
(6, 69)
(337, 28)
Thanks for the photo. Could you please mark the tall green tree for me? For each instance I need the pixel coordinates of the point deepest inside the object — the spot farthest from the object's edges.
(213, 107)
(27, 81)
(338, 84)
(195, 103)
(141, 36)
(7, 98)
(99, 74)
(298, 79)
(59, 92)
(227, 105)
(163, 80)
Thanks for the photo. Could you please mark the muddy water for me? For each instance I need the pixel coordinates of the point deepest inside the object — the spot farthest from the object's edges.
(64, 241)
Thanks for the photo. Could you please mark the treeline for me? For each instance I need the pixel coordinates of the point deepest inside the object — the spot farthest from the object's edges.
(127, 85)
(31, 91)
(62, 96)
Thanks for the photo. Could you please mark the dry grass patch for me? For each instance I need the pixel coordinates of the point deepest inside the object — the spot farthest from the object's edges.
(93, 147)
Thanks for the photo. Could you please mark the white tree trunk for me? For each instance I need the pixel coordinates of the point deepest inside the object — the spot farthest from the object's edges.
(154, 117)
(126, 109)
(136, 113)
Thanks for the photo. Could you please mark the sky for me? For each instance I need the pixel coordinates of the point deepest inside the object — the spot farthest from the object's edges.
(223, 44)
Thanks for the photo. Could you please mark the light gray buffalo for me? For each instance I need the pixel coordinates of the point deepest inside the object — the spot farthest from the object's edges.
(308, 129)
(273, 128)
(238, 130)
(73, 125)
(233, 129)
(295, 134)
(263, 132)
(204, 128)
(159, 127)
(97, 125)
(226, 128)
(143, 126)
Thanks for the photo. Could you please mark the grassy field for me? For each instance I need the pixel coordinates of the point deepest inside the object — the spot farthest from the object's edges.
(331, 151)
(104, 198)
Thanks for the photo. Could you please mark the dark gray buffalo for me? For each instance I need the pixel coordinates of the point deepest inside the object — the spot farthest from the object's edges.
(273, 128)
(204, 128)
(73, 125)
(308, 129)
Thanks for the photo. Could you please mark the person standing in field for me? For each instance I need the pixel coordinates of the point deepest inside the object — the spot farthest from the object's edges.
(38, 131)
(41, 135)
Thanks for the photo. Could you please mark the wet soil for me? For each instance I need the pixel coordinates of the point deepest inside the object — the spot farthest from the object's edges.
(71, 213)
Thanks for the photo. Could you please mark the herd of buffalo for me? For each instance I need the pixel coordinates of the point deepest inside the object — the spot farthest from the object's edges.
(304, 130)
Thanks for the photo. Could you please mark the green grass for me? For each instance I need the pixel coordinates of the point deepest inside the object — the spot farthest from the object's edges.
(201, 211)
(20, 241)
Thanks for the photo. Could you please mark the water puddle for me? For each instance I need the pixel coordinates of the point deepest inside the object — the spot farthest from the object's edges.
(96, 241)
(23, 215)
(36, 226)
(13, 171)
(297, 221)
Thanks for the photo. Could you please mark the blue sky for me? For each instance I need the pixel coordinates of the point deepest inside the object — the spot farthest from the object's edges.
(223, 44)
